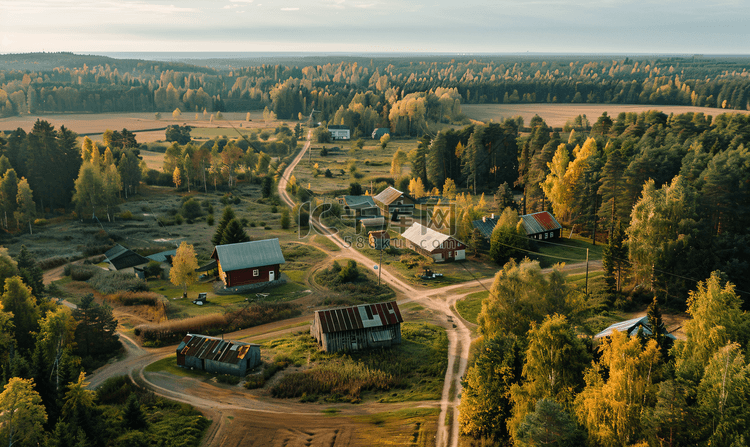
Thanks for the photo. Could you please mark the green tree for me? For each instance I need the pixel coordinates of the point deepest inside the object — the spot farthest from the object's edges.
(285, 221)
(553, 369)
(22, 415)
(485, 402)
(30, 272)
(384, 140)
(615, 258)
(26, 209)
(8, 195)
(132, 415)
(17, 299)
(184, 265)
(614, 205)
(89, 189)
(397, 163)
(226, 217)
(508, 239)
(723, 396)
(79, 408)
(95, 330)
(234, 233)
(521, 294)
(618, 389)
(548, 425)
(716, 320)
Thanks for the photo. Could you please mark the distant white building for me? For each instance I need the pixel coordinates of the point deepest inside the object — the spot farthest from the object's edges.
(339, 132)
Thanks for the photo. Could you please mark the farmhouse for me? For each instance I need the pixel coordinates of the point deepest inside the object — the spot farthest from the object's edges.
(359, 207)
(124, 259)
(396, 206)
(357, 327)
(429, 242)
(216, 355)
(632, 327)
(339, 132)
(249, 262)
(541, 225)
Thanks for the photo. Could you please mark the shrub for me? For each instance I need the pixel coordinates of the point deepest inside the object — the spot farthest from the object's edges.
(108, 282)
(81, 272)
(210, 220)
(254, 381)
(228, 379)
(191, 209)
(135, 298)
(328, 173)
(40, 222)
(178, 219)
(126, 215)
(56, 261)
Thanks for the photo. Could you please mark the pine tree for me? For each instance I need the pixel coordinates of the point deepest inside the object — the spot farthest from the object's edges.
(225, 219)
(234, 233)
(615, 258)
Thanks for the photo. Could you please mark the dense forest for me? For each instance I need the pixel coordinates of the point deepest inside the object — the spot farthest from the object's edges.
(429, 87)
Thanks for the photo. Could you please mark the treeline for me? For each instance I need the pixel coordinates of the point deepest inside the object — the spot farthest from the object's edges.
(536, 376)
(291, 91)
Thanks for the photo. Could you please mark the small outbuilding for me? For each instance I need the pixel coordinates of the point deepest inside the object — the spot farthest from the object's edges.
(249, 262)
(439, 246)
(632, 327)
(215, 355)
(541, 225)
(379, 240)
(359, 207)
(357, 327)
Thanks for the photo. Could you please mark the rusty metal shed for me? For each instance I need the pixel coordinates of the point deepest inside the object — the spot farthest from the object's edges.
(216, 355)
(357, 327)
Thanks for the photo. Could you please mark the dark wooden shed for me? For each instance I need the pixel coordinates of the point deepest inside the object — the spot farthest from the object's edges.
(216, 355)
(357, 327)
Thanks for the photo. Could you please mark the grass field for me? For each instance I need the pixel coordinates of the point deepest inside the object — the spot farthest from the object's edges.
(371, 161)
(470, 306)
(556, 115)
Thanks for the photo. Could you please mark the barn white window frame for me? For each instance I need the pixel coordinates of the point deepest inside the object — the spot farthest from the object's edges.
(256, 272)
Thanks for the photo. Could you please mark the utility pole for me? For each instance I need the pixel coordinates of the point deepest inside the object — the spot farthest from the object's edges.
(380, 266)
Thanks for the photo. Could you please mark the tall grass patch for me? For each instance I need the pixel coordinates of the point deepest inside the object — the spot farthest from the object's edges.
(413, 370)
(253, 315)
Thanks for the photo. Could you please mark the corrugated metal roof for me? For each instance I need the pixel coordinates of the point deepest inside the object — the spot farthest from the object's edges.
(338, 127)
(485, 226)
(540, 222)
(162, 256)
(359, 317)
(388, 195)
(246, 255)
(213, 348)
(630, 327)
(427, 238)
(357, 202)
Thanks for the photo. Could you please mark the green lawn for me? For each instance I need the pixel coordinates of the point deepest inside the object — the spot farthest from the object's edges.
(470, 306)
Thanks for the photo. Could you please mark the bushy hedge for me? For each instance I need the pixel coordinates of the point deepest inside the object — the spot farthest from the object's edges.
(80, 272)
(135, 298)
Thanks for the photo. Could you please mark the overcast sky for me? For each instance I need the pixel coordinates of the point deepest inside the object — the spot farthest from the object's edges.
(448, 26)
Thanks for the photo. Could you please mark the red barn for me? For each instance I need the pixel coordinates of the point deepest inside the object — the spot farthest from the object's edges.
(249, 262)
(541, 225)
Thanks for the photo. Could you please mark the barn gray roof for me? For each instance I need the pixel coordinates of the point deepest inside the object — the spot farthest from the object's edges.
(245, 255)
(359, 201)
(122, 258)
(162, 256)
(486, 226)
